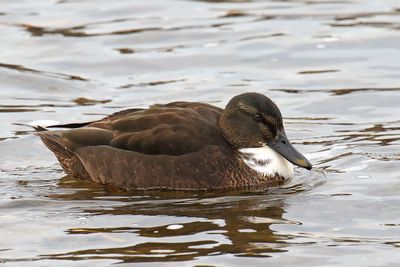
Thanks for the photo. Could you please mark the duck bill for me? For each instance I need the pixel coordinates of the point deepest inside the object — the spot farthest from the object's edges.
(282, 145)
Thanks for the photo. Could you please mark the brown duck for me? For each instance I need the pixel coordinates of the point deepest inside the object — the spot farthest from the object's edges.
(181, 146)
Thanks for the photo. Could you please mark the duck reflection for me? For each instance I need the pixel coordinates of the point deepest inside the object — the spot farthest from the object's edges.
(223, 223)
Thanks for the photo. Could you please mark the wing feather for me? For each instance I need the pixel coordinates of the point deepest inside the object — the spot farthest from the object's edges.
(172, 129)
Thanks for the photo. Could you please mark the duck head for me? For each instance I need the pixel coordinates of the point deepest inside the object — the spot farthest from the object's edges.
(251, 121)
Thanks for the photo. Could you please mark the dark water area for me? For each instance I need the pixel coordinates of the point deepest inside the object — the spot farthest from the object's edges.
(332, 67)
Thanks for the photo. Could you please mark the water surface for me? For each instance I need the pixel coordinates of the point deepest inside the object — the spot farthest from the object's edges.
(331, 66)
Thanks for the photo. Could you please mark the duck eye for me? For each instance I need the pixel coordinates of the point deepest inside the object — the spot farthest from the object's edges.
(258, 117)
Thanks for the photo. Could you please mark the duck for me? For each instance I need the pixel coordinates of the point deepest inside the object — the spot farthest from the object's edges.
(180, 146)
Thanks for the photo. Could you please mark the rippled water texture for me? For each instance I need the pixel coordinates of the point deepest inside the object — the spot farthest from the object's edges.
(332, 66)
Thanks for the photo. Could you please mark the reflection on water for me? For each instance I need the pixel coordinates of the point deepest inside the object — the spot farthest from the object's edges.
(234, 223)
(330, 66)
(167, 226)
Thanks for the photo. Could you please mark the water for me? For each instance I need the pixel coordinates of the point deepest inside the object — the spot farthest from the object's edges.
(331, 66)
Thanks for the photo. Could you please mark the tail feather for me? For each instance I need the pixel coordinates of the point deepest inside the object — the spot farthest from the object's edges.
(55, 144)
(68, 159)
(70, 125)
(39, 128)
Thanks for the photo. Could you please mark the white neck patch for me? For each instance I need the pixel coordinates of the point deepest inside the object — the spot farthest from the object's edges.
(267, 162)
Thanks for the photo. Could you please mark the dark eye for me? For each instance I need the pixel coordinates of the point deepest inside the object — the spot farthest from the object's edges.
(258, 118)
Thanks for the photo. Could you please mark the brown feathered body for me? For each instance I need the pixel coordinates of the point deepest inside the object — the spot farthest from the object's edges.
(173, 146)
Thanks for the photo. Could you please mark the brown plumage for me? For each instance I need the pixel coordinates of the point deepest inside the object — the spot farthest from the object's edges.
(180, 146)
